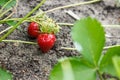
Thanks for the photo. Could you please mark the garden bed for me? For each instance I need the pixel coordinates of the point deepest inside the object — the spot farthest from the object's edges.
(26, 61)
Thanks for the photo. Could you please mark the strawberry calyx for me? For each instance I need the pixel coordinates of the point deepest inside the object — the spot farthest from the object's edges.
(46, 24)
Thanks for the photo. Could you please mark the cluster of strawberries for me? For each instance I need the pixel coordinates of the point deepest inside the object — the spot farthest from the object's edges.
(44, 30)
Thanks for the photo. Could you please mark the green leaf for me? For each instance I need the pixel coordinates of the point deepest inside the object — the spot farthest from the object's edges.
(9, 5)
(5, 75)
(72, 69)
(116, 62)
(89, 38)
(106, 64)
(12, 23)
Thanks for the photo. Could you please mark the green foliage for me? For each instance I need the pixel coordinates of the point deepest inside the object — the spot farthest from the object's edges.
(89, 38)
(72, 69)
(6, 6)
(89, 35)
(12, 23)
(106, 63)
(7, 3)
(116, 62)
(5, 75)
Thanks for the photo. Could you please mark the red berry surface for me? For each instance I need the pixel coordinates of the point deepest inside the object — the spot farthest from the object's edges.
(33, 29)
(46, 42)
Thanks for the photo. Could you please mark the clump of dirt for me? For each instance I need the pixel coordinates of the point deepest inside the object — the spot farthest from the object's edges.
(26, 61)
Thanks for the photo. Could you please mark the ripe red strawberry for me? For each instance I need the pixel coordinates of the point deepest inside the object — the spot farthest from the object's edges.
(46, 42)
(33, 30)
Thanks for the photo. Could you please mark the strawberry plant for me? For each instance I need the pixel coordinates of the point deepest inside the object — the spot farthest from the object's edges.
(89, 38)
(89, 43)
(44, 29)
(6, 6)
(44, 23)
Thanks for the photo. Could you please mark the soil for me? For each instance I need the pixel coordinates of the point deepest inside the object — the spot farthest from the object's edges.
(26, 62)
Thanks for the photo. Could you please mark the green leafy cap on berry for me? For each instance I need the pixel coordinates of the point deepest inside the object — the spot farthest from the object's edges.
(46, 24)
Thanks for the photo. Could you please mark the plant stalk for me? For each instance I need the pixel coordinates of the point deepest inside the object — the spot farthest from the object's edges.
(105, 48)
(14, 19)
(5, 20)
(1, 10)
(5, 30)
(70, 24)
(100, 75)
(12, 29)
(68, 48)
(5, 12)
(61, 7)
(65, 24)
(19, 41)
(72, 5)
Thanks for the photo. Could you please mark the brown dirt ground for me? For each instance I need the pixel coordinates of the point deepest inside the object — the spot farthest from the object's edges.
(26, 62)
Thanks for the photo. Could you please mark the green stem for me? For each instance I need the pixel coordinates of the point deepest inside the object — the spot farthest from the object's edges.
(5, 30)
(12, 29)
(111, 46)
(68, 48)
(100, 75)
(101, 57)
(5, 6)
(5, 12)
(12, 11)
(19, 41)
(67, 6)
(14, 19)
(9, 16)
(72, 5)
(70, 24)
(65, 24)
